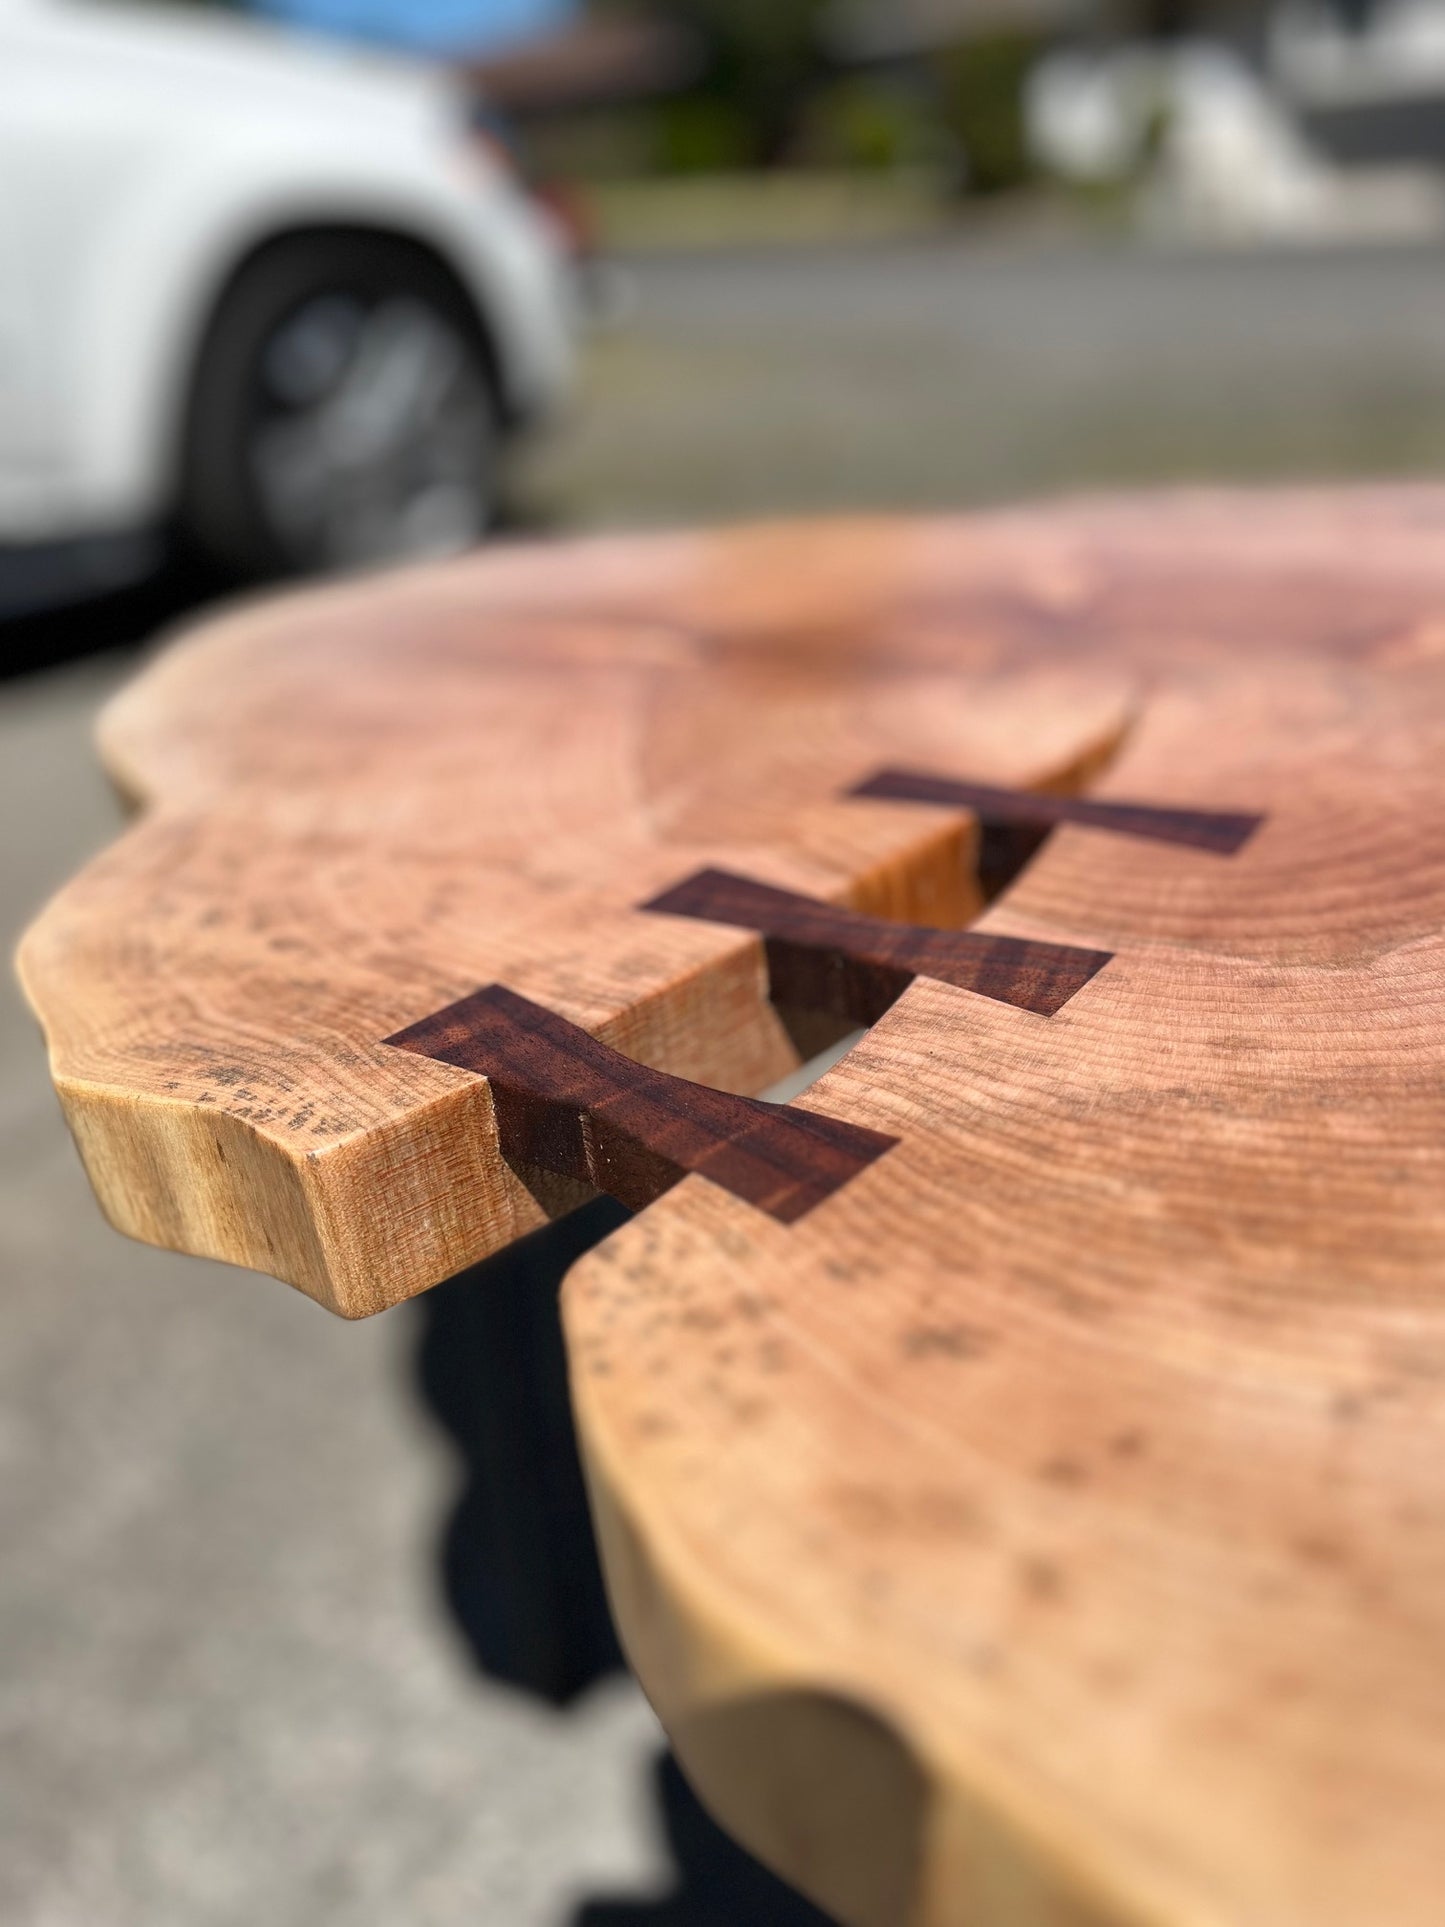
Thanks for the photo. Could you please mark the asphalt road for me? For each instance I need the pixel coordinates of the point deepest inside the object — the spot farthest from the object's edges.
(919, 375)
(231, 1686)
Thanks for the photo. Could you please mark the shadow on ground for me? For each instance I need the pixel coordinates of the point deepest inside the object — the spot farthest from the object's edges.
(69, 618)
(718, 1884)
(519, 1566)
(88, 625)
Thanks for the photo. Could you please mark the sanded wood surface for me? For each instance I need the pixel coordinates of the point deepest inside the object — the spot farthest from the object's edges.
(1043, 1522)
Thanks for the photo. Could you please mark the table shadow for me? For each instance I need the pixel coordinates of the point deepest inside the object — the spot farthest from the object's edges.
(718, 1884)
(519, 1569)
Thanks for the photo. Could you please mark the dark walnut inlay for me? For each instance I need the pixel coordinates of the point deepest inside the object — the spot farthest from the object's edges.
(1224, 832)
(853, 966)
(571, 1106)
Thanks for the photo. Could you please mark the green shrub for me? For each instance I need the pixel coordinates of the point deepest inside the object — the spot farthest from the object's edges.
(700, 134)
(981, 87)
(866, 123)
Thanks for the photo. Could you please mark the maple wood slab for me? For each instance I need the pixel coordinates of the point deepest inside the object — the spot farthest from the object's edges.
(1028, 1507)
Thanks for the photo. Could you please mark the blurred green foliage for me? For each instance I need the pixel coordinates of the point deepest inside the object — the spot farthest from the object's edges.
(774, 90)
(769, 95)
(763, 57)
(701, 134)
(981, 87)
(871, 122)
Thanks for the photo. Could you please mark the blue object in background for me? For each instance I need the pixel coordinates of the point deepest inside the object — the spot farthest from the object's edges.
(448, 27)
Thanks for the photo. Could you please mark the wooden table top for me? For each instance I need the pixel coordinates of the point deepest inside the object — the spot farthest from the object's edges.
(1017, 1462)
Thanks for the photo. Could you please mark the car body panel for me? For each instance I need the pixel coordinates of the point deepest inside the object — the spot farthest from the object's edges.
(147, 156)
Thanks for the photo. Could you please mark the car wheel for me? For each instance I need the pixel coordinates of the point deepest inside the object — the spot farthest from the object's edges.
(343, 413)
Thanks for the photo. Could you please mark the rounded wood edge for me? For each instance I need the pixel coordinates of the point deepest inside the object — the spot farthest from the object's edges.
(830, 1791)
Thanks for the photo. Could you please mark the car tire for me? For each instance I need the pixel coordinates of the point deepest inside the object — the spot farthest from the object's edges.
(343, 412)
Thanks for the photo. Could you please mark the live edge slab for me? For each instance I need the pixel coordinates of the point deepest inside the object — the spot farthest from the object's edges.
(1019, 1462)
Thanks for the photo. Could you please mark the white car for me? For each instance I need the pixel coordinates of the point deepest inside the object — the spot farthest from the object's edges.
(275, 295)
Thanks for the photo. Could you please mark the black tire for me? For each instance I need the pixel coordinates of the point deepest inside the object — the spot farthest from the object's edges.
(343, 411)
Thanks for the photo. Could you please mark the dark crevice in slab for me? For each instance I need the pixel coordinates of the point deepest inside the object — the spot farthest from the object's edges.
(569, 1105)
(853, 966)
(1005, 851)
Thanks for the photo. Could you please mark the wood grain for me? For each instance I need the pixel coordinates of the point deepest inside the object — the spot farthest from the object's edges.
(1046, 1527)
